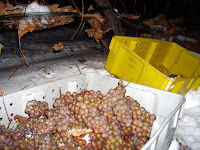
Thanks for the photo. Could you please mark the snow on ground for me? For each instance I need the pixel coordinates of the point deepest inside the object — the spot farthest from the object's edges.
(49, 71)
(188, 129)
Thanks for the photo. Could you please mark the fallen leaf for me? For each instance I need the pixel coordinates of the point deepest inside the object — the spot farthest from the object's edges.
(96, 21)
(54, 8)
(91, 8)
(95, 33)
(1, 46)
(2, 6)
(130, 16)
(98, 16)
(24, 28)
(67, 9)
(58, 47)
(78, 132)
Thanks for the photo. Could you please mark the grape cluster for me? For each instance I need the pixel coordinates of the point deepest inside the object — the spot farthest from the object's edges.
(117, 123)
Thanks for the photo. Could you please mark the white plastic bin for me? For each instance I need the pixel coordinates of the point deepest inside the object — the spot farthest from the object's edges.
(166, 106)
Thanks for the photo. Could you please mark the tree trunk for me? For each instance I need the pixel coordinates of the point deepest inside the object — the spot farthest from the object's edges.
(111, 16)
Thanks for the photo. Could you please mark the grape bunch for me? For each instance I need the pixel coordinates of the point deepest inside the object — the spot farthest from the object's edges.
(116, 121)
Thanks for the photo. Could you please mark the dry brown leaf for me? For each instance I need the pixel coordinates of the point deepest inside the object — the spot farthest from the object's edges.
(54, 8)
(90, 32)
(9, 6)
(94, 23)
(158, 20)
(67, 9)
(8, 9)
(2, 6)
(78, 132)
(95, 33)
(98, 16)
(95, 20)
(91, 8)
(130, 16)
(24, 28)
(1, 46)
(107, 30)
(58, 47)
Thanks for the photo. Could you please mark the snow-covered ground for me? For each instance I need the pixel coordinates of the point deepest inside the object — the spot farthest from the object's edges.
(188, 129)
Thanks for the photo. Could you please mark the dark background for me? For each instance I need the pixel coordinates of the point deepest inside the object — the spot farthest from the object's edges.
(189, 9)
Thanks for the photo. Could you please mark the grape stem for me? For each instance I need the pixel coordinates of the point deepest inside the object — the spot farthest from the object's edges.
(2, 92)
(129, 82)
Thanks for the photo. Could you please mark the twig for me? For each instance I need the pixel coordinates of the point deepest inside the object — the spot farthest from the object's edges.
(16, 70)
(86, 85)
(20, 48)
(14, 3)
(144, 8)
(32, 81)
(155, 5)
(83, 26)
(104, 44)
(134, 3)
(124, 6)
(3, 92)
(45, 2)
(25, 87)
(81, 21)
(167, 6)
(129, 82)
(78, 69)
(75, 5)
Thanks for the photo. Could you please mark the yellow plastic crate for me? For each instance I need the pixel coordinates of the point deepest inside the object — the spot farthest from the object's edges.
(160, 64)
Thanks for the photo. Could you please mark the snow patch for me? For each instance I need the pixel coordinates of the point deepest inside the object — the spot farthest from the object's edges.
(174, 145)
(188, 128)
(44, 21)
(35, 7)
